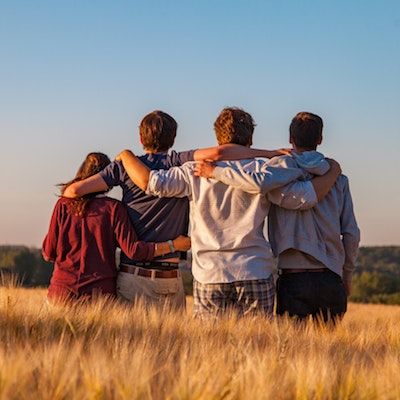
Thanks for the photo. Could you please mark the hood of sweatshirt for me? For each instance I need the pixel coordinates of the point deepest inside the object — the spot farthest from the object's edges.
(312, 162)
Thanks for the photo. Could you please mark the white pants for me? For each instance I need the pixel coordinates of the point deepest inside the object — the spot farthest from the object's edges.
(158, 291)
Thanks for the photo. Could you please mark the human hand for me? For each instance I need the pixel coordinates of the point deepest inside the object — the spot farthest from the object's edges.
(69, 192)
(204, 169)
(182, 243)
(335, 166)
(122, 155)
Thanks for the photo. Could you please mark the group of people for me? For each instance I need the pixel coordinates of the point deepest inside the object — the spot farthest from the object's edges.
(225, 194)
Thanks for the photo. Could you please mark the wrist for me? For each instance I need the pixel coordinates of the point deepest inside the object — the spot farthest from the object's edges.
(171, 245)
(265, 154)
(262, 153)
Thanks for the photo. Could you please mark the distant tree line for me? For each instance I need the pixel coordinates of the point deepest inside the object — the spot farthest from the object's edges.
(376, 280)
(25, 263)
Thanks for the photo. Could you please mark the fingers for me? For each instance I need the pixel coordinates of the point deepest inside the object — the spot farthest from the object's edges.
(334, 165)
(332, 162)
(286, 151)
(199, 168)
(204, 169)
(123, 153)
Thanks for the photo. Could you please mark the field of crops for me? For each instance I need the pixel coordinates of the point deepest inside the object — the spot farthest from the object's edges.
(110, 351)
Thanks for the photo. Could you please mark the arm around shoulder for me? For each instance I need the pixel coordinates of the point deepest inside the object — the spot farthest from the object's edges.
(136, 170)
(174, 182)
(92, 184)
(232, 151)
(298, 195)
(323, 184)
(261, 181)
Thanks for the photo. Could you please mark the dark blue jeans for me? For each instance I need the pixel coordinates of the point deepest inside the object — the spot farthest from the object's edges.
(319, 294)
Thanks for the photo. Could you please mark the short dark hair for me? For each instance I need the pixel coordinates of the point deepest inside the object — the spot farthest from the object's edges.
(158, 131)
(234, 125)
(306, 130)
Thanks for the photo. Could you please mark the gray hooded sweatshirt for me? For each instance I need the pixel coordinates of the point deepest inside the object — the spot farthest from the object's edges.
(328, 232)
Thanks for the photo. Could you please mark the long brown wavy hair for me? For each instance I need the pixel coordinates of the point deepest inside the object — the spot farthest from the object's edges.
(94, 163)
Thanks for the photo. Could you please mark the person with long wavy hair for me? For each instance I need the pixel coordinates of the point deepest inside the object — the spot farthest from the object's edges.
(84, 234)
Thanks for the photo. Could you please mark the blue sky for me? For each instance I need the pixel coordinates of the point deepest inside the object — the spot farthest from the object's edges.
(79, 76)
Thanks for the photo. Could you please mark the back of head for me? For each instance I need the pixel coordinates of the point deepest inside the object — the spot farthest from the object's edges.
(234, 125)
(158, 131)
(93, 164)
(306, 130)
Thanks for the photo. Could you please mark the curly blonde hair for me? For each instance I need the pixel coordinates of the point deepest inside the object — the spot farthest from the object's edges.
(234, 125)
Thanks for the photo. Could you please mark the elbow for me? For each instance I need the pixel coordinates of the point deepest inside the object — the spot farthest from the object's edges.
(218, 154)
(143, 185)
(308, 203)
(321, 196)
(46, 257)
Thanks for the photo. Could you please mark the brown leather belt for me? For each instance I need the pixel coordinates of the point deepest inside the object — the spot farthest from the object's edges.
(296, 271)
(149, 273)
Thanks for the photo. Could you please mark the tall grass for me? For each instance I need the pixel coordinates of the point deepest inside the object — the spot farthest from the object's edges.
(110, 351)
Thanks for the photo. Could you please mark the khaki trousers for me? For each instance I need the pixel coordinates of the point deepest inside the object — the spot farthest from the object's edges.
(163, 292)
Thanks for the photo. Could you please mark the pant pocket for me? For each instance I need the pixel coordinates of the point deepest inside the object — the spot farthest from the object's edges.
(125, 286)
(167, 286)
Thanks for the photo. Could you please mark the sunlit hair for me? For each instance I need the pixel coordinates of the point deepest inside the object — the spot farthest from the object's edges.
(93, 164)
(234, 125)
(306, 130)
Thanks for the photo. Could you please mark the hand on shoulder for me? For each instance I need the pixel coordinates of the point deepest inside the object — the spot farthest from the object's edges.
(335, 166)
(123, 155)
(204, 169)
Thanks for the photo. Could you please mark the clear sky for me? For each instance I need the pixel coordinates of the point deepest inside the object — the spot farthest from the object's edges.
(78, 76)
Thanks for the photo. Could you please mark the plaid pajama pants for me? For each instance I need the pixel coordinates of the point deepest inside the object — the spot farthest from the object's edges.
(242, 297)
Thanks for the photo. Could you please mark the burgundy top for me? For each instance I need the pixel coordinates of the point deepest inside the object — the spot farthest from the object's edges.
(83, 247)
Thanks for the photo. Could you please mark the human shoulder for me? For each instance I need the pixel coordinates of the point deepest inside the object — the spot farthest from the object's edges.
(245, 164)
(113, 174)
(110, 206)
(178, 158)
(109, 201)
(186, 169)
(284, 161)
(343, 182)
(189, 165)
(63, 202)
(62, 207)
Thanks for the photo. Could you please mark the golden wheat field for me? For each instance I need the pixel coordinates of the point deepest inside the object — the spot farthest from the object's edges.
(110, 351)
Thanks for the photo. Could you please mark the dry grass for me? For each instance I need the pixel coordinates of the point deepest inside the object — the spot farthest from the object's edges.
(113, 352)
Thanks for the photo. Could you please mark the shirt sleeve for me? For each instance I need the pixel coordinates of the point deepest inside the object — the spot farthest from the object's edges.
(254, 182)
(350, 233)
(180, 158)
(127, 239)
(112, 174)
(49, 247)
(298, 195)
(174, 182)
